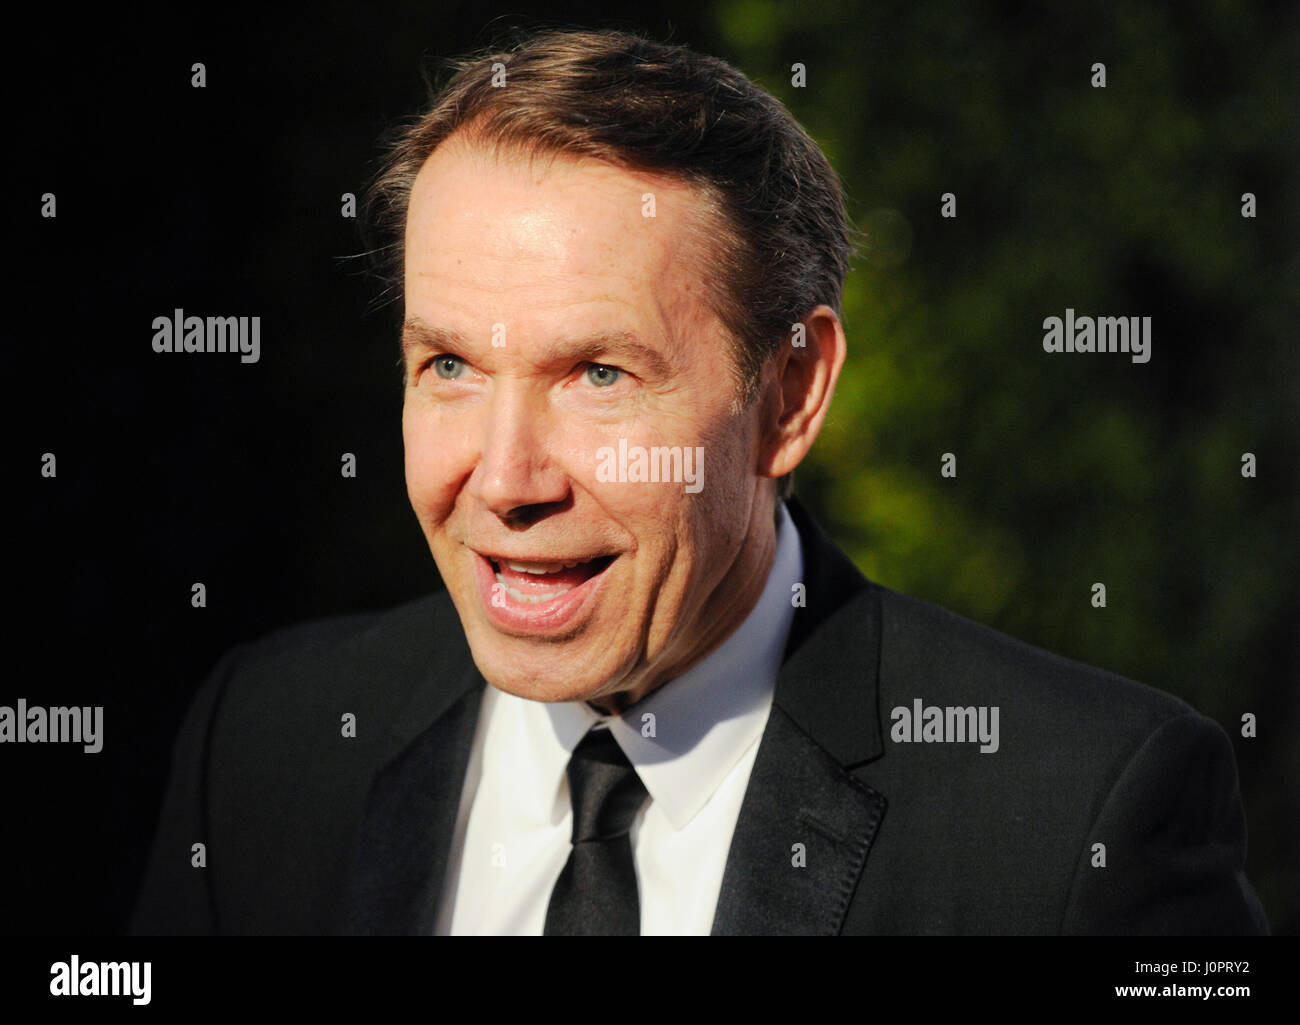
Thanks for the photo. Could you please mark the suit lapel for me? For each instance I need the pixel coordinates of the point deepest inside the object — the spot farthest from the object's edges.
(800, 843)
(409, 817)
(806, 825)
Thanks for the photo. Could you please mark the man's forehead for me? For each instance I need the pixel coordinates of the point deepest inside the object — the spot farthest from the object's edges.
(499, 238)
(517, 200)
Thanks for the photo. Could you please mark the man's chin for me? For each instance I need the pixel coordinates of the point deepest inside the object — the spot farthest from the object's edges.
(540, 672)
(535, 686)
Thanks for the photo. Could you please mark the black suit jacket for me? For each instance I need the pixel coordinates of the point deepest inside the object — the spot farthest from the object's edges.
(307, 831)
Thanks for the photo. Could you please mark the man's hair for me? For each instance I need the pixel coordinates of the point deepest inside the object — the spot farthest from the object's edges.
(779, 239)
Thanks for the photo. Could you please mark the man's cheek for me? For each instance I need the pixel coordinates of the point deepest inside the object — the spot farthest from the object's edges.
(422, 481)
(437, 462)
(641, 508)
(649, 467)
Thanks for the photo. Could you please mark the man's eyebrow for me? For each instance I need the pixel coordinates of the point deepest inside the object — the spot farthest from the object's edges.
(610, 347)
(417, 335)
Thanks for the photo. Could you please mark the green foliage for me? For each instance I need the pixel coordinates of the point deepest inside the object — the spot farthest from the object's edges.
(1072, 468)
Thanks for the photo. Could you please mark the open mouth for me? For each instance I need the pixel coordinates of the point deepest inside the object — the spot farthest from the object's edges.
(531, 582)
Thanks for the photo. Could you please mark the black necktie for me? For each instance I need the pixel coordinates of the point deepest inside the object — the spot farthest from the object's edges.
(596, 893)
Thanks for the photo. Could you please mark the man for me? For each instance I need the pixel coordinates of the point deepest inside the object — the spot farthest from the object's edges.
(655, 697)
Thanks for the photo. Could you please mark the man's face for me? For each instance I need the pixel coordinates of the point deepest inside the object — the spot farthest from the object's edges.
(551, 326)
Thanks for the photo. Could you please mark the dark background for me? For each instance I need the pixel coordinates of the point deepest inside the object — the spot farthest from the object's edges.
(1072, 468)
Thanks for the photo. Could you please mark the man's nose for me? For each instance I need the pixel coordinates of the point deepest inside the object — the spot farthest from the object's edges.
(515, 477)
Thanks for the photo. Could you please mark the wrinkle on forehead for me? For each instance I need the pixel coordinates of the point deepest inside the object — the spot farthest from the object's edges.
(704, 232)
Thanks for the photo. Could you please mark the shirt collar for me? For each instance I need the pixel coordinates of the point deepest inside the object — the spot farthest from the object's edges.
(703, 721)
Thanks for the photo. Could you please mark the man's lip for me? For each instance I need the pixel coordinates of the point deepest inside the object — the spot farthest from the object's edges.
(551, 614)
(534, 557)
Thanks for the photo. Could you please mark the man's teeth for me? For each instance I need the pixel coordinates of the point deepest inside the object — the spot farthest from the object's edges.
(529, 599)
(532, 597)
(540, 567)
(534, 567)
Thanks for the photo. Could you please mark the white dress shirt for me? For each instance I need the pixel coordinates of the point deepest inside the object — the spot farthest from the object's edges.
(513, 830)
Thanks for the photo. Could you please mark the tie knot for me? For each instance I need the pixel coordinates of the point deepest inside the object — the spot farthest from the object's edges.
(606, 791)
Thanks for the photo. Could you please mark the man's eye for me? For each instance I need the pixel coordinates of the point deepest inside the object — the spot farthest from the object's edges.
(449, 367)
(602, 376)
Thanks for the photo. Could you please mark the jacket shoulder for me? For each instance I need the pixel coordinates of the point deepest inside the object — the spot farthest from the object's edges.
(375, 658)
(953, 657)
(330, 638)
(999, 837)
(271, 766)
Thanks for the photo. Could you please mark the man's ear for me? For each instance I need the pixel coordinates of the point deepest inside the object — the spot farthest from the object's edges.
(799, 390)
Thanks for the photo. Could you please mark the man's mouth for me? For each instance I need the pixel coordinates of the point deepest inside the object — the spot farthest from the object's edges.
(535, 582)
